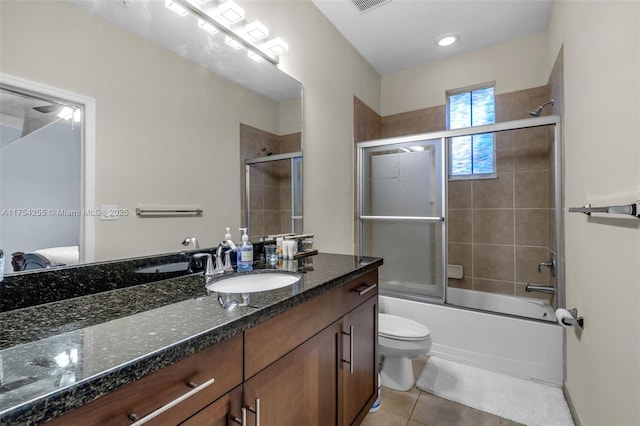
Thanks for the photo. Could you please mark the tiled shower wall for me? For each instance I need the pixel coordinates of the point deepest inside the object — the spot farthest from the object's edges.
(499, 229)
(270, 190)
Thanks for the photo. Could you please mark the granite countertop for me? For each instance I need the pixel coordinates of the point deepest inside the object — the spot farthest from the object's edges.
(61, 355)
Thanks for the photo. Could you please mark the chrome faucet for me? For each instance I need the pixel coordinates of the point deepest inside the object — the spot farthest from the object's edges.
(551, 264)
(225, 247)
(540, 288)
(208, 271)
(193, 240)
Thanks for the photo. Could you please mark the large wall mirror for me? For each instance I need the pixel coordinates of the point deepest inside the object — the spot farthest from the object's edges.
(163, 116)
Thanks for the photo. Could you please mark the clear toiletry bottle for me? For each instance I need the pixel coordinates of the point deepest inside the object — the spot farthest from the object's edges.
(245, 253)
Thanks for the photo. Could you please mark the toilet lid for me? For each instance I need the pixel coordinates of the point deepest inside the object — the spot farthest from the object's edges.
(395, 327)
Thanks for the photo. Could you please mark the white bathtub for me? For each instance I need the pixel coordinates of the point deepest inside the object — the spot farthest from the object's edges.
(521, 347)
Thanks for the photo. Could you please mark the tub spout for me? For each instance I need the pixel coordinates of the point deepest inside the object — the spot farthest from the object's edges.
(540, 288)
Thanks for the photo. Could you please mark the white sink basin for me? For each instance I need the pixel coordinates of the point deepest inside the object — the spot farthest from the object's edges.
(252, 283)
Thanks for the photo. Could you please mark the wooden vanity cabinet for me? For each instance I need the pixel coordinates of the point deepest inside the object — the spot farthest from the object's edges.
(303, 376)
(221, 362)
(314, 364)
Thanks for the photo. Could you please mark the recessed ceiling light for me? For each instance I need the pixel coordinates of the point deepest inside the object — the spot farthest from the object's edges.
(447, 40)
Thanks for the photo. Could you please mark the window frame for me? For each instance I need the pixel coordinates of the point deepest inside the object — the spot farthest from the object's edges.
(472, 176)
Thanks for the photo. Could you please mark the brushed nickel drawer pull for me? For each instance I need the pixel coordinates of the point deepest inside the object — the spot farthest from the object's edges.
(350, 362)
(256, 411)
(363, 289)
(243, 420)
(168, 406)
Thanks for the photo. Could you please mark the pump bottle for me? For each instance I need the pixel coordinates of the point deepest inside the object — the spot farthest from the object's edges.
(245, 253)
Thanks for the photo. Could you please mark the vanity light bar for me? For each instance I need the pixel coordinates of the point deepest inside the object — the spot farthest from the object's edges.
(175, 7)
(256, 30)
(231, 12)
(207, 26)
(273, 47)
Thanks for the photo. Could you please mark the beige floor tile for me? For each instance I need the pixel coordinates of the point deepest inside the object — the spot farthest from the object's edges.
(384, 417)
(431, 410)
(397, 402)
(507, 422)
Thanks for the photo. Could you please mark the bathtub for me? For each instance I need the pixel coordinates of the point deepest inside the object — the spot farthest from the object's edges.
(521, 347)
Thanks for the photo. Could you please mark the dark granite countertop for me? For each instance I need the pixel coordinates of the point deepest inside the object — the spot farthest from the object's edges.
(61, 355)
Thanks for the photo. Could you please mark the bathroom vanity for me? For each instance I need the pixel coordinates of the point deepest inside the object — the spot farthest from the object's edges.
(302, 354)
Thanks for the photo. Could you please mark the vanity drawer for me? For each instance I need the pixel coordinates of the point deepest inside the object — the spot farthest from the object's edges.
(221, 362)
(359, 290)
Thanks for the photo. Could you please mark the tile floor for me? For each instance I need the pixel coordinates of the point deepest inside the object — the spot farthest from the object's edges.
(417, 408)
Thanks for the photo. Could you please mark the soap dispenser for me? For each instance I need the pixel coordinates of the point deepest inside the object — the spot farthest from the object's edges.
(245, 253)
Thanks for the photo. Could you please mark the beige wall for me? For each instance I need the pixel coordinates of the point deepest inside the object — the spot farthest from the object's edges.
(332, 72)
(163, 136)
(520, 64)
(602, 166)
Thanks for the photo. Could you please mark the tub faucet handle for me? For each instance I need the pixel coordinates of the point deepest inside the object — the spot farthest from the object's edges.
(551, 264)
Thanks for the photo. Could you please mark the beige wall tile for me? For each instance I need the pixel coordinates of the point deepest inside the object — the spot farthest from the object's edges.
(271, 222)
(459, 194)
(459, 230)
(531, 149)
(391, 127)
(256, 225)
(461, 254)
(493, 193)
(527, 259)
(531, 189)
(271, 198)
(493, 262)
(493, 286)
(531, 227)
(493, 226)
(504, 152)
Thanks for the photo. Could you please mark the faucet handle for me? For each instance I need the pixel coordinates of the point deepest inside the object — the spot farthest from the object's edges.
(208, 271)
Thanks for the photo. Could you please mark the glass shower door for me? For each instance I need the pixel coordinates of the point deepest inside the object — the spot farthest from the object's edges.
(401, 214)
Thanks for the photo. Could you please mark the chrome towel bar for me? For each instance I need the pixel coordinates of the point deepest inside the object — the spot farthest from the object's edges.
(176, 212)
(627, 209)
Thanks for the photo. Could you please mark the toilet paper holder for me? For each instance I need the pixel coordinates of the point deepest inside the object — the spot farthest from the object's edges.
(575, 319)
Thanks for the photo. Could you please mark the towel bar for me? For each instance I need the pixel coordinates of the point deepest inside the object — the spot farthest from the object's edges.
(156, 212)
(627, 209)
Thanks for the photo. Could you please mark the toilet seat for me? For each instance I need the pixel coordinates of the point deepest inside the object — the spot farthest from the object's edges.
(399, 328)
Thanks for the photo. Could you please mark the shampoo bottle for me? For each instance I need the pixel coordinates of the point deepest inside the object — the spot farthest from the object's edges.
(245, 253)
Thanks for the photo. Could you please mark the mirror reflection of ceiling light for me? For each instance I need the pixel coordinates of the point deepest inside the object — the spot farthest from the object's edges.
(175, 7)
(62, 359)
(231, 12)
(417, 148)
(233, 43)
(277, 45)
(253, 35)
(256, 30)
(447, 40)
(254, 56)
(207, 26)
(66, 113)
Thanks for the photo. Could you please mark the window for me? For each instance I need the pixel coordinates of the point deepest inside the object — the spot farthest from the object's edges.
(471, 156)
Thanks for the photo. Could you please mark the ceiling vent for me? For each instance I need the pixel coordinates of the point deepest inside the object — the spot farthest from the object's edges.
(366, 5)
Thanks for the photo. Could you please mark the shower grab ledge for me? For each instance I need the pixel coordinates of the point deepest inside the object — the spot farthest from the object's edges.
(414, 218)
(627, 209)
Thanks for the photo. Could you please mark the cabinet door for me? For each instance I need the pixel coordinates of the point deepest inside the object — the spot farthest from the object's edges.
(359, 366)
(301, 387)
(220, 413)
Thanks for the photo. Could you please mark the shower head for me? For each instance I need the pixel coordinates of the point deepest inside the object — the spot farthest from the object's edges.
(266, 151)
(537, 111)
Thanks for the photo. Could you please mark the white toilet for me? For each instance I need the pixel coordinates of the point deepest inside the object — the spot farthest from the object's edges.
(399, 340)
